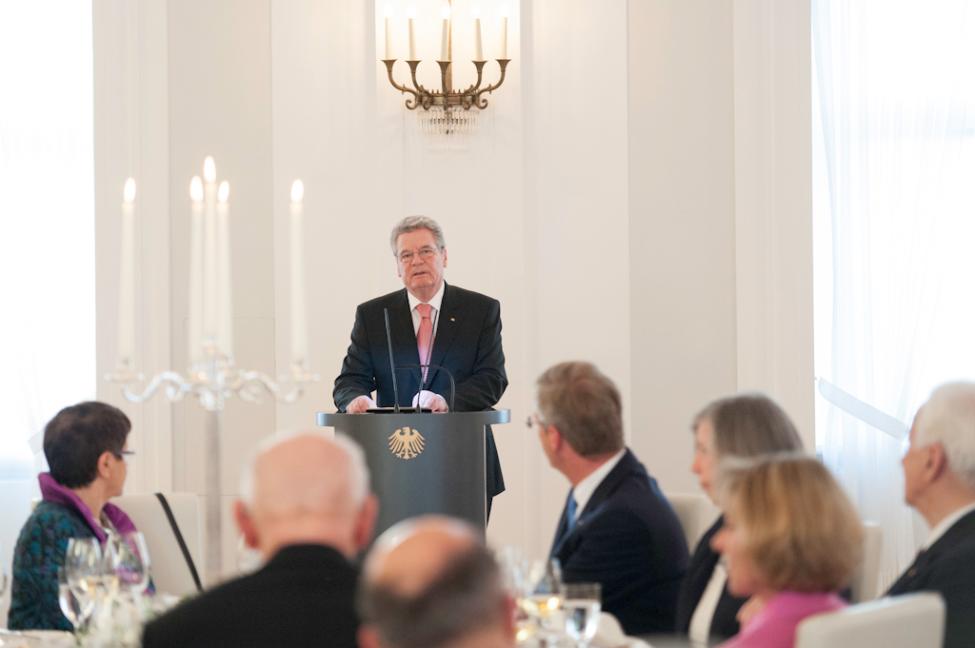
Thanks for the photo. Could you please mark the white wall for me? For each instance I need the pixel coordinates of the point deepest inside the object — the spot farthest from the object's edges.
(601, 200)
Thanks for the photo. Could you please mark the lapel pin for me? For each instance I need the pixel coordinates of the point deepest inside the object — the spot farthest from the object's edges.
(453, 319)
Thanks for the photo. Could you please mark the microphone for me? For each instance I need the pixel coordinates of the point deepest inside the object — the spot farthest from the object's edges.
(392, 366)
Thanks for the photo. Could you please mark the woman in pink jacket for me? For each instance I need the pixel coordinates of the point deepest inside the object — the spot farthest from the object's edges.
(791, 540)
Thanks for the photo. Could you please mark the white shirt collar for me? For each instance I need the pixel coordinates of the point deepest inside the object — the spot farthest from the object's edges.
(946, 524)
(584, 489)
(435, 301)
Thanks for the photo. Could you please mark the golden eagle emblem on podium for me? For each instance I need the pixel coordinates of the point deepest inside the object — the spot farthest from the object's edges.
(406, 443)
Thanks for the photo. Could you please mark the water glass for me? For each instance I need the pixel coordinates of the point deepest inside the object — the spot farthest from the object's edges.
(83, 570)
(581, 604)
(544, 603)
(74, 608)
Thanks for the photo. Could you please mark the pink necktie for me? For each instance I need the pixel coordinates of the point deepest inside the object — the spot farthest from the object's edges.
(424, 335)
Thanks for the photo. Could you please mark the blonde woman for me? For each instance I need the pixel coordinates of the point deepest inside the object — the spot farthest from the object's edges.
(791, 540)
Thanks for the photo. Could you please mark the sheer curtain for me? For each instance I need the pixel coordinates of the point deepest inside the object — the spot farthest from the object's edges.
(894, 214)
(47, 264)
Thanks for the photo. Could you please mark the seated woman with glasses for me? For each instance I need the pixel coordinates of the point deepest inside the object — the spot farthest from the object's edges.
(745, 425)
(85, 450)
(791, 540)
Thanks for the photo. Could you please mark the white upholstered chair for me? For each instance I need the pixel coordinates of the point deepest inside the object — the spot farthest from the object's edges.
(695, 512)
(907, 621)
(170, 572)
(866, 581)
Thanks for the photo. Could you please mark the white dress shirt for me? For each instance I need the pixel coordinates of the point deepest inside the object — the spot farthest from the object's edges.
(700, 627)
(435, 302)
(584, 489)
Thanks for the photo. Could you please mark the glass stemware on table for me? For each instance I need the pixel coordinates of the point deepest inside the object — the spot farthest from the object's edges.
(96, 576)
(550, 613)
(581, 605)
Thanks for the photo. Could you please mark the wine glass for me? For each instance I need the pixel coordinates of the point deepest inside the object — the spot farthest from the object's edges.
(128, 559)
(544, 603)
(581, 603)
(83, 570)
(514, 571)
(75, 609)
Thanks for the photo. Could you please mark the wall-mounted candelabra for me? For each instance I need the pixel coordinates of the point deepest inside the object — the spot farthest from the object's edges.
(447, 110)
(213, 376)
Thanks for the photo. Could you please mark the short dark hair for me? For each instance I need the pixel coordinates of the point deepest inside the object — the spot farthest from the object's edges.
(467, 596)
(78, 435)
(584, 405)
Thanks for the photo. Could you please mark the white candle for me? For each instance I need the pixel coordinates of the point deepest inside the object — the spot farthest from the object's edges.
(412, 36)
(210, 252)
(299, 330)
(195, 333)
(225, 312)
(478, 53)
(504, 34)
(389, 34)
(445, 35)
(126, 293)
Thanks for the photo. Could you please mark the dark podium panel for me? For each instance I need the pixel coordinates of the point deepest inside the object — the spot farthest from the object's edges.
(422, 463)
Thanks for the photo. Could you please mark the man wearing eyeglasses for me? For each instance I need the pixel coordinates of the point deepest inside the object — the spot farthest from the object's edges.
(433, 324)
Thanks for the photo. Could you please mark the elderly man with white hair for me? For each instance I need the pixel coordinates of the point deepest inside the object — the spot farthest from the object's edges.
(939, 482)
(307, 510)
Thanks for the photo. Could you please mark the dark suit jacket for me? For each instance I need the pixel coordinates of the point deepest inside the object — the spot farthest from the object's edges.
(304, 596)
(724, 622)
(467, 343)
(629, 540)
(948, 567)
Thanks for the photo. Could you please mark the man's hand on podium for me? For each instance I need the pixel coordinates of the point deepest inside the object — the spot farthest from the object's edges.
(431, 401)
(359, 405)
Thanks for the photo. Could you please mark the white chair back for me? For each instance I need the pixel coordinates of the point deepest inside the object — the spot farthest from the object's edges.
(866, 580)
(170, 573)
(695, 512)
(900, 622)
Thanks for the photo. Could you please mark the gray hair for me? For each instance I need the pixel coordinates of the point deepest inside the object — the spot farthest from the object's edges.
(749, 425)
(466, 596)
(358, 471)
(413, 223)
(948, 418)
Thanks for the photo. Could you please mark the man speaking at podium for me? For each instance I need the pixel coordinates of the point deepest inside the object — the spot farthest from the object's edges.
(431, 323)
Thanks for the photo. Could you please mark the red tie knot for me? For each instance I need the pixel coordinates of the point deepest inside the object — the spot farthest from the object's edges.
(424, 310)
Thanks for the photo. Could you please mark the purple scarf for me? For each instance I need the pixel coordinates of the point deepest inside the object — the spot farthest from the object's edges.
(51, 491)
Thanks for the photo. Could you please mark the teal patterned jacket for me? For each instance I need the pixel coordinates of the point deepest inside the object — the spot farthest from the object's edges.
(39, 552)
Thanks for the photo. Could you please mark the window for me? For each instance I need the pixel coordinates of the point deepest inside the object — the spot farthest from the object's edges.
(47, 331)
(894, 218)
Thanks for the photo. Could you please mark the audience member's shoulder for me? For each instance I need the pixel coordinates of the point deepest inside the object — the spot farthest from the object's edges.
(52, 518)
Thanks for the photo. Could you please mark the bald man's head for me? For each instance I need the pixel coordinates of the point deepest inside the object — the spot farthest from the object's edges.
(430, 582)
(306, 487)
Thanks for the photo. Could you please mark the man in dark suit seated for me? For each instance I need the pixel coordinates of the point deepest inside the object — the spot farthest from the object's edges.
(431, 323)
(431, 583)
(617, 528)
(939, 482)
(308, 511)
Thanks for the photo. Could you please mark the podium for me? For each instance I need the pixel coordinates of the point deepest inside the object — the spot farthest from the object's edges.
(422, 463)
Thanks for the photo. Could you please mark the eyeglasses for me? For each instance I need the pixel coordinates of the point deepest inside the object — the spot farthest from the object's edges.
(426, 253)
(122, 454)
(534, 420)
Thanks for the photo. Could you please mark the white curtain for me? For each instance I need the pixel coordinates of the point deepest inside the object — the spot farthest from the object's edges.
(47, 248)
(894, 214)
